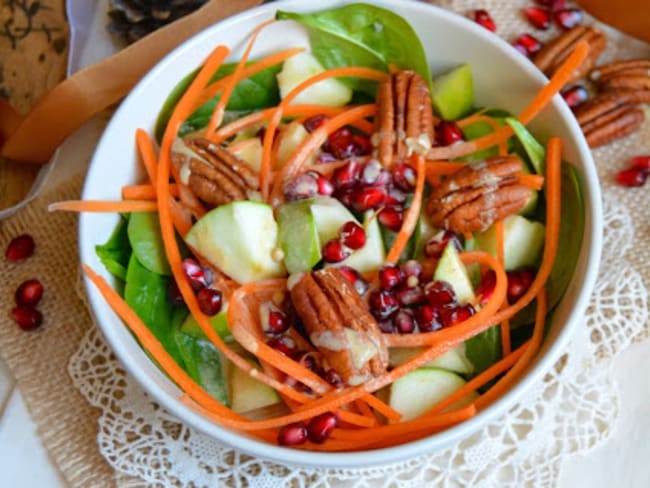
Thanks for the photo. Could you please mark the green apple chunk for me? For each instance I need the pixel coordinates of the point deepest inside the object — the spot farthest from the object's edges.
(218, 322)
(329, 215)
(298, 236)
(453, 360)
(247, 393)
(453, 93)
(452, 270)
(523, 241)
(418, 391)
(240, 239)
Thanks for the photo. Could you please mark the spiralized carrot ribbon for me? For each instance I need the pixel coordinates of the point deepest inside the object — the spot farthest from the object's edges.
(104, 206)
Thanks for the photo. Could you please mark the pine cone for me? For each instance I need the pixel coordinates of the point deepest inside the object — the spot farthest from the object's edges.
(134, 19)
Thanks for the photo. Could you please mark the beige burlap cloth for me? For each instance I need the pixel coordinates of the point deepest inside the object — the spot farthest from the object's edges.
(66, 423)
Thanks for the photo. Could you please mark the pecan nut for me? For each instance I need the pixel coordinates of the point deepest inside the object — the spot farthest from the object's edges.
(478, 195)
(553, 54)
(601, 75)
(340, 326)
(610, 116)
(217, 176)
(404, 117)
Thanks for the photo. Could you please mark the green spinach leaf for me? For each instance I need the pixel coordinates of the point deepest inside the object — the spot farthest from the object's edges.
(115, 253)
(484, 349)
(362, 35)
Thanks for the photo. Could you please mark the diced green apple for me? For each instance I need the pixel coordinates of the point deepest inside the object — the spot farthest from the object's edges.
(251, 152)
(452, 270)
(218, 322)
(453, 360)
(299, 68)
(290, 138)
(298, 236)
(453, 93)
(329, 215)
(247, 393)
(523, 241)
(240, 239)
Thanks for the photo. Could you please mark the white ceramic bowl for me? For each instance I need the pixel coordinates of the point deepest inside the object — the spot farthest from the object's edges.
(503, 78)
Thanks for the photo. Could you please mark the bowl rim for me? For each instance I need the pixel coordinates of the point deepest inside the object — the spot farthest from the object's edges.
(592, 246)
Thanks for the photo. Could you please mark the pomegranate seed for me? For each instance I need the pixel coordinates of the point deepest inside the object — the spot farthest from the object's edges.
(575, 96)
(529, 43)
(293, 434)
(308, 360)
(427, 318)
(553, 4)
(538, 17)
(519, 282)
(568, 18)
(352, 235)
(410, 295)
(174, 295)
(411, 268)
(346, 197)
(382, 304)
(448, 133)
(362, 144)
(29, 293)
(373, 174)
(325, 157)
(198, 276)
(21, 247)
(456, 315)
(343, 144)
(369, 198)
(210, 301)
(325, 186)
(273, 321)
(404, 177)
(284, 344)
(27, 318)
(642, 163)
(355, 278)
(320, 427)
(440, 294)
(346, 176)
(313, 123)
(389, 277)
(486, 287)
(404, 321)
(334, 251)
(482, 17)
(333, 378)
(631, 177)
(391, 218)
(521, 48)
(386, 326)
(395, 198)
(301, 187)
(436, 245)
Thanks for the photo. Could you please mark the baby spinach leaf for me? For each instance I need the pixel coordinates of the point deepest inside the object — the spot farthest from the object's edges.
(253, 93)
(146, 241)
(362, 35)
(115, 253)
(146, 293)
(484, 349)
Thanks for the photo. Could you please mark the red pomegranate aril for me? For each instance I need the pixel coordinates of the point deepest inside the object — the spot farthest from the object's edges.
(308, 360)
(404, 177)
(518, 283)
(369, 198)
(386, 326)
(325, 157)
(391, 218)
(395, 197)
(538, 17)
(552, 4)
(575, 95)
(383, 304)
(293, 434)
(343, 144)
(411, 268)
(404, 321)
(301, 187)
(29, 293)
(283, 344)
(320, 427)
(642, 163)
(325, 186)
(198, 276)
(521, 48)
(389, 277)
(427, 318)
(486, 287)
(362, 143)
(410, 295)
(346, 176)
(352, 235)
(333, 378)
(273, 321)
(448, 133)
(529, 43)
(334, 251)
(21, 247)
(455, 315)
(174, 295)
(314, 122)
(354, 277)
(568, 18)
(631, 177)
(437, 244)
(440, 294)
(27, 317)
(210, 301)
(483, 18)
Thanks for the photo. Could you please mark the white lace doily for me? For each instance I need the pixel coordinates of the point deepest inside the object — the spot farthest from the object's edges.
(569, 411)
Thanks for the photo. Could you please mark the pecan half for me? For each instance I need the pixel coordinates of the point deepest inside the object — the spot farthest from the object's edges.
(340, 326)
(478, 195)
(610, 116)
(404, 117)
(219, 177)
(553, 54)
(629, 67)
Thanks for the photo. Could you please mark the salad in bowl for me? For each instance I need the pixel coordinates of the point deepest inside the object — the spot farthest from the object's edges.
(343, 243)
